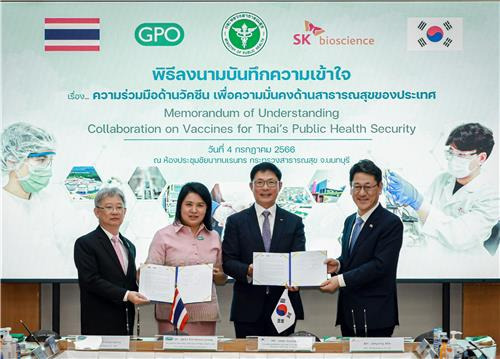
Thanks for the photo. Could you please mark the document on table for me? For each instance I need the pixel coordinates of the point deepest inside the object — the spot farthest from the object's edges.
(157, 282)
(304, 269)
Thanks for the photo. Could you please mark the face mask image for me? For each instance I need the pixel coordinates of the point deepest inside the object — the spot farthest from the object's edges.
(459, 167)
(36, 180)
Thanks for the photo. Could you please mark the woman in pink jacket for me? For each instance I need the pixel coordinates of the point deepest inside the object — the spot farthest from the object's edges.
(190, 240)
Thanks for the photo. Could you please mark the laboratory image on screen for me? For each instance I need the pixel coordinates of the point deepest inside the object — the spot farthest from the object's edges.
(321, 89)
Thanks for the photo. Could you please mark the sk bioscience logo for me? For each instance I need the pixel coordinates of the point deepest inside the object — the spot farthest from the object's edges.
(244, 34)
(314, 34)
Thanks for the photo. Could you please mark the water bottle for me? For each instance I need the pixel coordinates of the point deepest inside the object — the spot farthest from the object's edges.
(436, 339)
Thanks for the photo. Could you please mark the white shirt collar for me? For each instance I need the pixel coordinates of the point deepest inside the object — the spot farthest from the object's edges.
(109, 234)
(259, 209)
(367, 215)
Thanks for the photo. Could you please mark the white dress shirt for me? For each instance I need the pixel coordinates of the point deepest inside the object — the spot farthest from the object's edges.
(260, 217)
(124, 253)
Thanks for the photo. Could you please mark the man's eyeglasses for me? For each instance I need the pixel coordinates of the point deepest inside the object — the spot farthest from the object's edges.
(357, 188)
(270, 183)
(110, 209)
(451, 152)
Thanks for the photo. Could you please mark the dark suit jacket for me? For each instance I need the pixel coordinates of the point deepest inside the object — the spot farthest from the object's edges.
(370, 271)
(242, 237)
(103, 285)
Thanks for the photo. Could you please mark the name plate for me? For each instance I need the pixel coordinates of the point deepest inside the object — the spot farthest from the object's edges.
(115, 342)
(39, 353)
(426, 350)
(50, 342)
(285, 344)
(206, 343)
(376, 345)
(88, 342)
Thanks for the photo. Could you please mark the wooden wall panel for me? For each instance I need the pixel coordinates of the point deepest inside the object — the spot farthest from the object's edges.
(20, 301)
(481, 309)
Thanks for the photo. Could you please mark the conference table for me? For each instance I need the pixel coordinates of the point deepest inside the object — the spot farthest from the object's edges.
(229, 349)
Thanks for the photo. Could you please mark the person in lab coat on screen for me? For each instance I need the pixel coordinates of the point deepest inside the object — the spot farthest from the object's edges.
(31, 215)
(461, 207)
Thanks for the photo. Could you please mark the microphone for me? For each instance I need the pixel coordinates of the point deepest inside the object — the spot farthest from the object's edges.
(366, 326)
(354, 323)
(483, 355)
(126, 322)
(138, 322)
(29, 332)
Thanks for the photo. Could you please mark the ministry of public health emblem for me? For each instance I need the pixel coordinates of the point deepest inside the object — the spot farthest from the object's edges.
(244, 34)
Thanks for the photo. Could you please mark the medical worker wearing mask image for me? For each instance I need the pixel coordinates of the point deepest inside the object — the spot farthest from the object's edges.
(461, 207)
(29, 218)
(27, 153)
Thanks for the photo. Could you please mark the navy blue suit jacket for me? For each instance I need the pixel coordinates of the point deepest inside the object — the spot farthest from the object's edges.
(242, 237)
(103, 285)
(370, 272)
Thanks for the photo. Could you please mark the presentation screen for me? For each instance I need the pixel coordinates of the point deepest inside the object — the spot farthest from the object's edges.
(149, 96)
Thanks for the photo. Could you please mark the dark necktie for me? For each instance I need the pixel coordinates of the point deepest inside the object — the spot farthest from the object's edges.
(266, 230)
(355, 233)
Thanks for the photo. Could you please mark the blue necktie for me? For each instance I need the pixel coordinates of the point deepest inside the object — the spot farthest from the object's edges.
(355, 233)
(266, 231)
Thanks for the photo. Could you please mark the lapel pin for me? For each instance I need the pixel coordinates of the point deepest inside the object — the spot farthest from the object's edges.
(371, 225)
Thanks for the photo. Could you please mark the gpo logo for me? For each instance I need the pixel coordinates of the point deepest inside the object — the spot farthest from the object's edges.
(159, 34)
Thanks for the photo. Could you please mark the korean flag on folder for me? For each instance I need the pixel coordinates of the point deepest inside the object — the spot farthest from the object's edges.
(283, 315)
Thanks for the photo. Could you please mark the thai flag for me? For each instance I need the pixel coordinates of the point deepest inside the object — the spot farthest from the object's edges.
(72, 34)
(178, 313)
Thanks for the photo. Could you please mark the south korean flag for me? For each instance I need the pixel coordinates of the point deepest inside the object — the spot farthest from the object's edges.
(435, 34)
(283, 315)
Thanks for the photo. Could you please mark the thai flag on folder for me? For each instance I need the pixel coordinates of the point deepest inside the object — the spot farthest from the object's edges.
(72, 34)
(178, 313)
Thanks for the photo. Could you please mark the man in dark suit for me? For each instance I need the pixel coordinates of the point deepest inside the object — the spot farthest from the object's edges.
(371, 241)
(264, 227)
(105, 261)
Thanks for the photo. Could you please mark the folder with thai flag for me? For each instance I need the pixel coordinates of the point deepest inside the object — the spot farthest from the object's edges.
(178, 313)
(72, 34)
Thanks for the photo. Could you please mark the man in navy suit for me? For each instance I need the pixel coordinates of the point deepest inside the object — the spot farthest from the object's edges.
(105, 261)
(366, 269)
(264, 227)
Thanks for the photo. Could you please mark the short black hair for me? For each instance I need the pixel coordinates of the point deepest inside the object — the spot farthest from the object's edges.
(472, 136)
(368, 167)
(265, 166)
(200, 190)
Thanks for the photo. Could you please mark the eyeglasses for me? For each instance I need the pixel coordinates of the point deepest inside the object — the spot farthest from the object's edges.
(271, 183)
(451, 152)
(357, 188)
(110, 209)
(40, 160)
